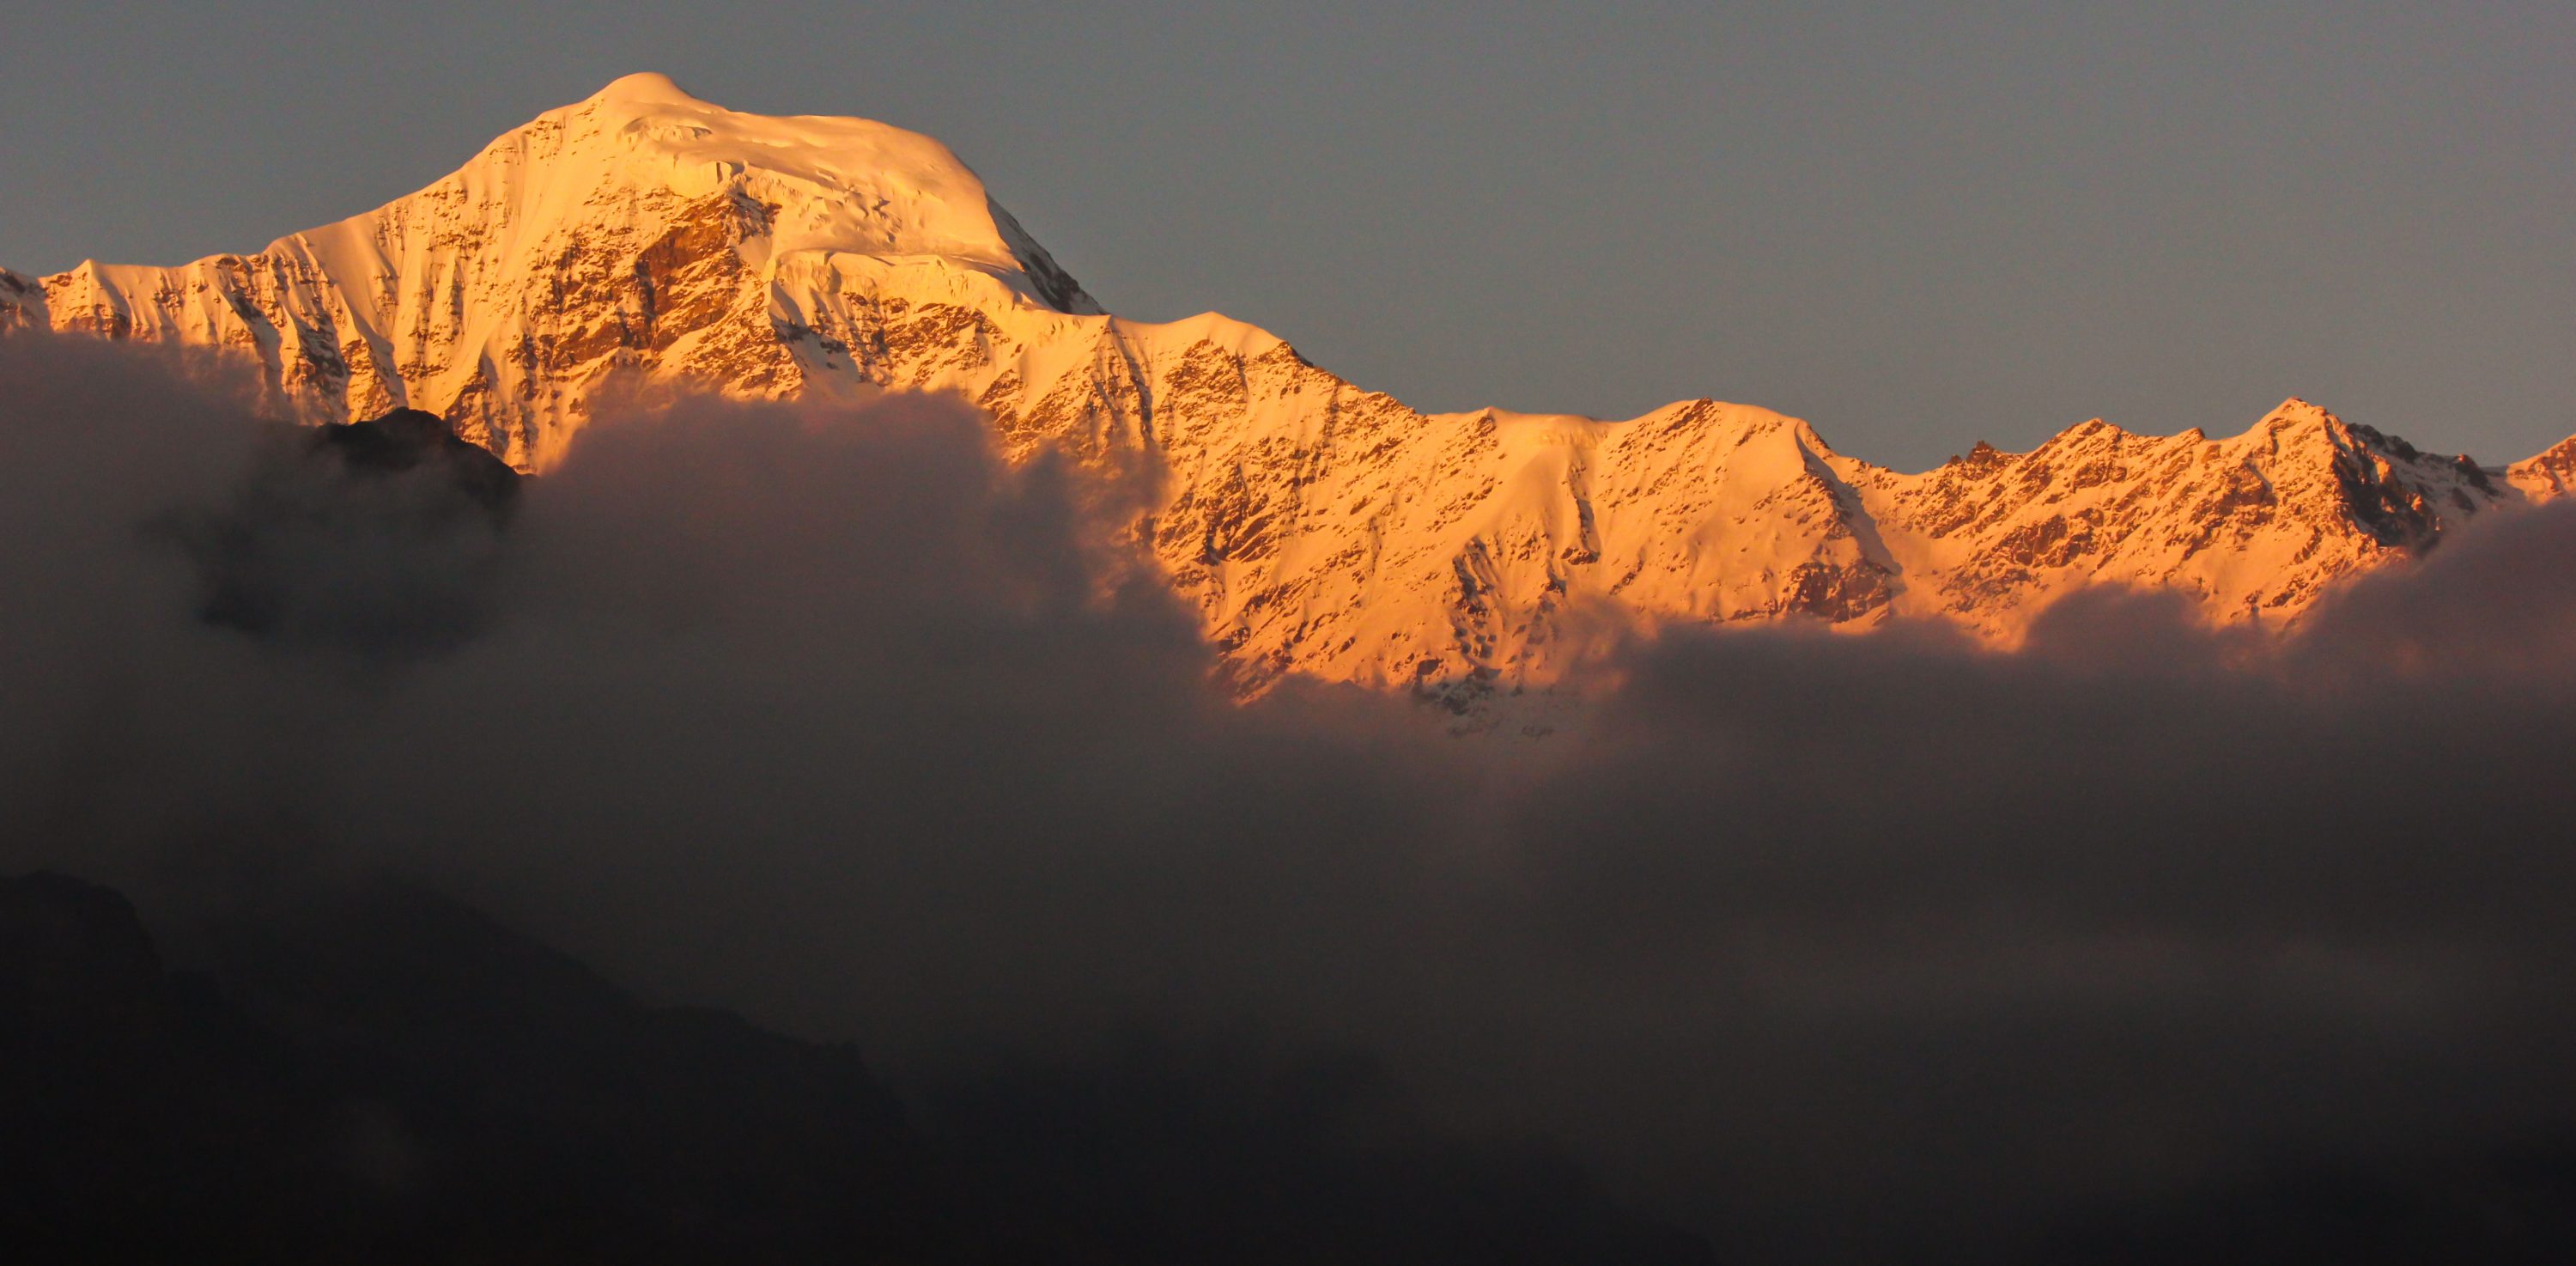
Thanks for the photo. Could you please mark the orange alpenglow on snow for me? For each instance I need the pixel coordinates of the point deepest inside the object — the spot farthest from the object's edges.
(1320, 528)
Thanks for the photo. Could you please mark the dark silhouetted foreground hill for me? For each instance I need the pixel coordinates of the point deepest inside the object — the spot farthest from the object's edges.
(388, 1076)
(392, 1077)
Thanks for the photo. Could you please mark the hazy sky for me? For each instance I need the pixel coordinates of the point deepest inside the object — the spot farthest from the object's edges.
(1916, 225)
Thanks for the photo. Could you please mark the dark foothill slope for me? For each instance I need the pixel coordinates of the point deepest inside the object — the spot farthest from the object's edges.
(390, 1077)
(381, 1074)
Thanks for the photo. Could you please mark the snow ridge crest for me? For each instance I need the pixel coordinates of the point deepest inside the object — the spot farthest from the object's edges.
(648, 237)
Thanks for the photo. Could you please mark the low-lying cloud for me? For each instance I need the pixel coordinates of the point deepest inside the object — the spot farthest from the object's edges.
(1831, 947)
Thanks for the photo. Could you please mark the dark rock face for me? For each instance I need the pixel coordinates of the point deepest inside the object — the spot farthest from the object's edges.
(378, 538)
(1839, 595)
(2391, 511)
(379, 1074)
(408, 439)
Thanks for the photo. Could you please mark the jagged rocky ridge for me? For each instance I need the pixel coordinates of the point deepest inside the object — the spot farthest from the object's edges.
(646, 236)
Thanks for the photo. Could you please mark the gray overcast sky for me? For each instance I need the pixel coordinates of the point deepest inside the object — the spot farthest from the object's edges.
(1916, 225)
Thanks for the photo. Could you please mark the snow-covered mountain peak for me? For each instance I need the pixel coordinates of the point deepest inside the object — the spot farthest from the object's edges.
(648, 86)
(638, 231)
(827, 185)
(645, 236)
(2547, 475)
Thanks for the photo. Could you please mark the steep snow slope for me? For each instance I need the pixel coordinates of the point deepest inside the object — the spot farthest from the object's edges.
(641, 227)
(2254, 527)
(2547, 475)
(1320, 528)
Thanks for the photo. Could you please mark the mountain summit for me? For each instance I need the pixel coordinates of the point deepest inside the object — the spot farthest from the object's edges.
(1319, 528)
(639, 228)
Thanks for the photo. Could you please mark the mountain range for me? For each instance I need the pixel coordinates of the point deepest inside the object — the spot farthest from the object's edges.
(643, 236)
